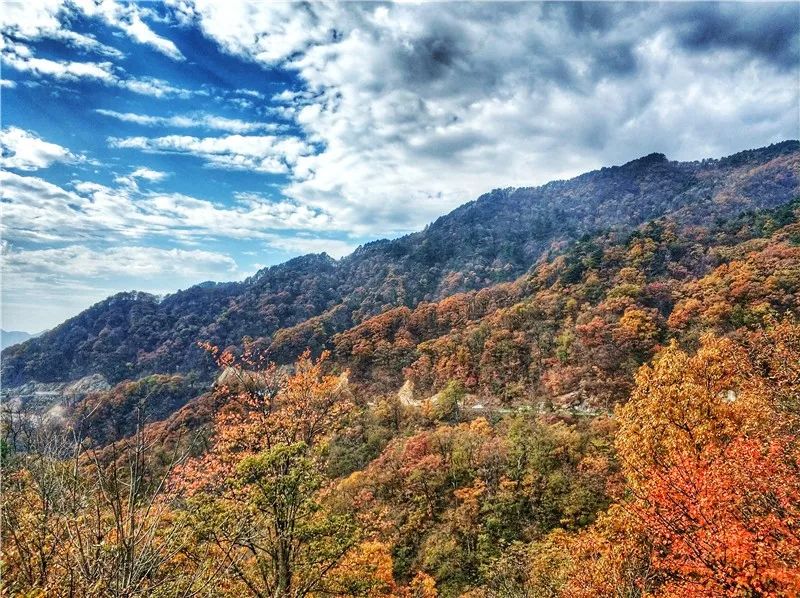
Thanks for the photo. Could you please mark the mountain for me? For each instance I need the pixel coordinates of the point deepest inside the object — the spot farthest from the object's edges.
(305, 301)
(574, 330)
(13, 337)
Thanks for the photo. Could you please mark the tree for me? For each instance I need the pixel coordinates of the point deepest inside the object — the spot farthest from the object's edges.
(84, 520)
(714, 471)
(609, 559)
(262, 480)
(727, 525)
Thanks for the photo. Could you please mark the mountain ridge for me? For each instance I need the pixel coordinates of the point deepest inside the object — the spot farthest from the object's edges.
(494, 238)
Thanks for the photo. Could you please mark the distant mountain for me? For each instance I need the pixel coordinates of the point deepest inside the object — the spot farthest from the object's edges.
(495, 238)
(13, 337)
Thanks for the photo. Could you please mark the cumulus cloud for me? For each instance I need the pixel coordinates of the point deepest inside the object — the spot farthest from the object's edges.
(192, 120)
(420, 107)
(262, 153)
(23, 150)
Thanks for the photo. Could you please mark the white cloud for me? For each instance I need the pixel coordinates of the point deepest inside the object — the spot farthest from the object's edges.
(136, 261)
(303, 243)
(7, 83)
(133, 25)
(84, 244)
(251, 93)
(36, 211)
(266, 31)
(420, 107)
(158, 88)
(23, 150)
(20, 58)
(262, 153)
(147, 174)
(33, 20)
(250, 217)
(192, 120)
(42, 287)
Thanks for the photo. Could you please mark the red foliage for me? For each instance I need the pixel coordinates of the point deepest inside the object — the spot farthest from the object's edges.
(728, 525)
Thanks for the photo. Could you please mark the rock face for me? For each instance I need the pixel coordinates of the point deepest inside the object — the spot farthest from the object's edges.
(44, 396)
(406, 395)
(495, 238)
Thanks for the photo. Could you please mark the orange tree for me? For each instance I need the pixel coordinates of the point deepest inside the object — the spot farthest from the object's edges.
(254, 495)
(709, 444)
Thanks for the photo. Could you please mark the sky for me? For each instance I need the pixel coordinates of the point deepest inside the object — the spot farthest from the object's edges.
(153, 145)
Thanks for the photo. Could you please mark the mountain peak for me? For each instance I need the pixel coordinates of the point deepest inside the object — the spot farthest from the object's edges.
(649, 159)
(299, 263)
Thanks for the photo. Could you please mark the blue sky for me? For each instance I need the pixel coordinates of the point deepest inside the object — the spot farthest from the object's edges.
(157, 145)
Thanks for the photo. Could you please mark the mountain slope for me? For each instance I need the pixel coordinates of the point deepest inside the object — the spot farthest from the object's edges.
(566, 337)
(579, 325)
(496, 238)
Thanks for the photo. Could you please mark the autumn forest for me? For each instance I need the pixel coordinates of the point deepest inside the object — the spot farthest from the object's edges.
(527, 399)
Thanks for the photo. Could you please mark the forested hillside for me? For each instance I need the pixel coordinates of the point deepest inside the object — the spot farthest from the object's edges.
(607, 406)
(494, 239)
(579, 325)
